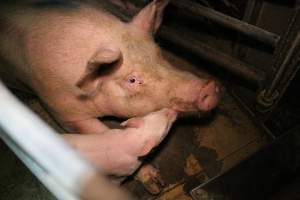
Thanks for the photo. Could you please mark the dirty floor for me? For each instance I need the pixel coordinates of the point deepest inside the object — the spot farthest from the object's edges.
(196, 150)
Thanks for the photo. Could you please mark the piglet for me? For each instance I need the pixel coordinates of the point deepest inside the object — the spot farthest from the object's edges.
(117, 151)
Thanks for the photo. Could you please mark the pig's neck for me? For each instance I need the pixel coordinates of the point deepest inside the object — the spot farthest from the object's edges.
(16, 23)
(12, 64)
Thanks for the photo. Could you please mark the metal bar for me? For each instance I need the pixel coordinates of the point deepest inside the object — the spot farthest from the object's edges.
(251, 7)
(48, 156)
(233, 65)
(274, 85)
(197, 10)
(286, 61)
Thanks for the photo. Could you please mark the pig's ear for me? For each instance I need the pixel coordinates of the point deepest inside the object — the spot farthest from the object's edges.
(150, 17)
(133, 123)
(103, 62)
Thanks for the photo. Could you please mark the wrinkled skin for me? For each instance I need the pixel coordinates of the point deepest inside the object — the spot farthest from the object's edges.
(84, 63)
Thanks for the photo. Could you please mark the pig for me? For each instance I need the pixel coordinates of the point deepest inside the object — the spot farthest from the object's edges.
(84, 63)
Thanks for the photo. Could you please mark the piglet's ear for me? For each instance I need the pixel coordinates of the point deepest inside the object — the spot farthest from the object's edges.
(104, 62)
(150, 17)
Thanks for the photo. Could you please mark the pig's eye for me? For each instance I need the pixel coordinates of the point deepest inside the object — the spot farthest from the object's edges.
(132, 80)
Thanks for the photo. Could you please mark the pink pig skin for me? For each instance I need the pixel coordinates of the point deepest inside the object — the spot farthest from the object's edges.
(117, 151)
(83, 63)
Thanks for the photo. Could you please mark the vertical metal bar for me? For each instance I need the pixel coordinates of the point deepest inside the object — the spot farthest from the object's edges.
(251, 8)
(286, 64)
(274, 84)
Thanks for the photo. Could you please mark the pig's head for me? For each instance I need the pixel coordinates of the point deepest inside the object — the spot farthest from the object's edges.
(130, 77)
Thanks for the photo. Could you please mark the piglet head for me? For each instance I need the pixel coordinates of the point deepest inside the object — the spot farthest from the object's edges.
(151, 129)
(160, 121)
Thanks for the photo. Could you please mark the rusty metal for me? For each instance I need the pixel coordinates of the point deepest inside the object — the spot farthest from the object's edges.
(202, 50)
(268, 96)
(250, 16)
(252, 31)
(286, 63)
(249, 10)
(271, 94)
(280, 73)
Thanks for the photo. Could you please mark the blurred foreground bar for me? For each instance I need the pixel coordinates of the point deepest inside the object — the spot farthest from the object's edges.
(64, 172)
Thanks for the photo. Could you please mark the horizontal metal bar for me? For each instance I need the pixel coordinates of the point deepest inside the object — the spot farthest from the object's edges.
(233, 65)
(197, 10)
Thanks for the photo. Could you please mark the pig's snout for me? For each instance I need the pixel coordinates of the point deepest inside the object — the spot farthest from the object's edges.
(209, 96)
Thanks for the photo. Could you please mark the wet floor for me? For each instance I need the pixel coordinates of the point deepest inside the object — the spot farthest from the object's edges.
(195, 150)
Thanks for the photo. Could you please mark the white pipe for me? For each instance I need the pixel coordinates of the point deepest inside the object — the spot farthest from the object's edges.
(41, 149)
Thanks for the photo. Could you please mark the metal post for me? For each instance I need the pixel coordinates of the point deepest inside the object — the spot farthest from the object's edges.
(272, 92)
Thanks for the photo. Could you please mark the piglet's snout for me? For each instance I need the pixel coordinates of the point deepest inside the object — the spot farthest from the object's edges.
(209, 96)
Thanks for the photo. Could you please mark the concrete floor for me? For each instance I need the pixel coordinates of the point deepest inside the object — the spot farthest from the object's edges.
(199, 149)
(195, 151)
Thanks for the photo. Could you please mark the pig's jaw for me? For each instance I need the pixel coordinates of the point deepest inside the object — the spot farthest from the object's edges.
(197, 106)
(180, 105)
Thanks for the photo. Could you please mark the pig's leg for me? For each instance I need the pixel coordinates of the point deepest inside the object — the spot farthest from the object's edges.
(150, 177)
(86, 126)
